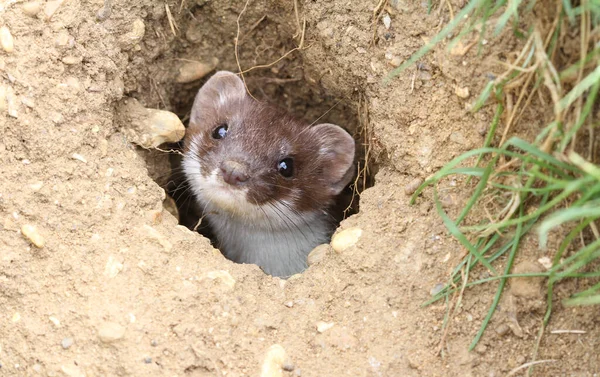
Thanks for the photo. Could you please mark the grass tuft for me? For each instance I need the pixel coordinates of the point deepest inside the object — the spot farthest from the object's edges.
(520, 186)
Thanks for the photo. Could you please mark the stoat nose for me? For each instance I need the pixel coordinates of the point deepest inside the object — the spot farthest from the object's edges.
(234, 172)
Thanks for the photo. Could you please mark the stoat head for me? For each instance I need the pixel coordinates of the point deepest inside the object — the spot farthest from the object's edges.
(250, 160)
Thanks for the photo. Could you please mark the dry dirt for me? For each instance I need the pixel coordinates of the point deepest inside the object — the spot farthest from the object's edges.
(115, 261)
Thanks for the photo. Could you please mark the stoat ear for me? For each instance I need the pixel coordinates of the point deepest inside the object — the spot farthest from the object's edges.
(223, 89)
(336, 153)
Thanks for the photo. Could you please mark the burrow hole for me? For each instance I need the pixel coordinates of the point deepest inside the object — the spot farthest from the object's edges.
(283, 84)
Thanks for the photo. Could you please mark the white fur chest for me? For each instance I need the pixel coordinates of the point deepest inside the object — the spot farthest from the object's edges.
(278, 251)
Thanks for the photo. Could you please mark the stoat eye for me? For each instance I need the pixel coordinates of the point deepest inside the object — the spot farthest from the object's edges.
(220, 132)
(286, 167)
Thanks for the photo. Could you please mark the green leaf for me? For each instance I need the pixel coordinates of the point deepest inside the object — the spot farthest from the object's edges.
(563, 216)
(589, 300)
(453, 229)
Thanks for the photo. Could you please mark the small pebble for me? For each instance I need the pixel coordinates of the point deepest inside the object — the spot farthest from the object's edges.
(36, 186)
(32, 8)
(223, 276)
(66, 343)
(52, 7)
(387, 21)
(288, 366)
(324, 326)
(28, 102)
(113, 266)
(483, 129)
(154, 343)
(192, 71)
(72, 60)
(412, 186)
(436, 289)
(273, 364)
(109, 332)
(57, 118)
(150, 128)
(481, 349)
(6, 39)
(318, 254)
(11, 103)
(345, 239)
(396, 61)
(78, 157)
(136, 34)
(147, 360)
(62, 38)
(55, 321)
(31, 233)
(73, 83)
(462, 92)
(289, 304)
(546, 262)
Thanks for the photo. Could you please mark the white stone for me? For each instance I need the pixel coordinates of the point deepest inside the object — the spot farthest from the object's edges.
(345, 239)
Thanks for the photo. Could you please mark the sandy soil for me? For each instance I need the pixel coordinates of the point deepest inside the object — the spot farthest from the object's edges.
(119, 289)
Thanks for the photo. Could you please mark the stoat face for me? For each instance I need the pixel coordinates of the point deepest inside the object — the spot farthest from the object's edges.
(255, 163)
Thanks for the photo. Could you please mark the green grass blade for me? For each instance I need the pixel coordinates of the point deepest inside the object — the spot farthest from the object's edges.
(478, 191)
(525, 146)
(568, 239)
(509, 263)
(571, 72)
(588, 292)
(584, 165)
(483, 97)
(540, 211)
(587, 109)
(576, 261)
(588, 300)
(563, 216)
(579, 89)
(435, 40)
(453, 229)
(569, 10)
(512, 10)
(448, 168)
